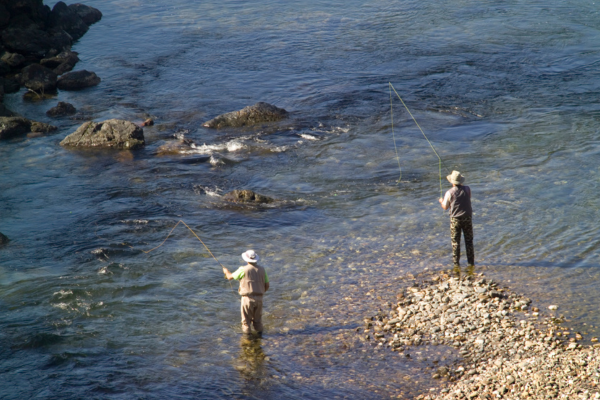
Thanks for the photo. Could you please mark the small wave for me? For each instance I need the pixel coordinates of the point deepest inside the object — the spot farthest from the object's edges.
(61, 294)
(308, 137)
(135, 221)
(231, 147)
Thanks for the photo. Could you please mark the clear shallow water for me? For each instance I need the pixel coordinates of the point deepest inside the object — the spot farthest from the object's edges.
(506, 92)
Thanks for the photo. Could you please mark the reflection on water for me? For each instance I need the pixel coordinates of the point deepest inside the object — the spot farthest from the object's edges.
(251, 363)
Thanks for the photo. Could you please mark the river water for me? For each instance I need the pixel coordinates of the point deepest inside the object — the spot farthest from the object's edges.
(507, 92)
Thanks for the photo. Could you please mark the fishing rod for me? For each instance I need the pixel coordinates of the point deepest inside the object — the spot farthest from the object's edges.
(197, 237)
(418, 126)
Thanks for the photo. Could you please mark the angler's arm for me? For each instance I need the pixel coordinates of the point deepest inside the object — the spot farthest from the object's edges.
(228, 275)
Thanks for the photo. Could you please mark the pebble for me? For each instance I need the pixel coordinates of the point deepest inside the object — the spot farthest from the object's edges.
(507, 356)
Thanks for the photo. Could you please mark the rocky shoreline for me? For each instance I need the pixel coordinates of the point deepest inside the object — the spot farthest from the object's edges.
(35, 53)
(508, 349)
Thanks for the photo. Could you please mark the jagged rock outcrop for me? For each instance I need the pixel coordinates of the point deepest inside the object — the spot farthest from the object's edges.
(251, 115)
(113, 133)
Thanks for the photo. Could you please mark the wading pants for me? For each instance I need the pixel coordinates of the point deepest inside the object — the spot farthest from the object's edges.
(464, 225)
(252, 313)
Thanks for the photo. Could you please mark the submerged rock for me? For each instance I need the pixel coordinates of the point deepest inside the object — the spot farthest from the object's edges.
(251, 115)
(247, 196)
(3, 239)
(77, 80)
(61, 109)
(113, 133)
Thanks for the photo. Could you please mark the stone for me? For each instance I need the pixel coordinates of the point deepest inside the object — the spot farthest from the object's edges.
(247, 196)
(4, 68)
(68, 57)
(553, 307)
(77, 80)
(41, 127)
(89, 15)
(3, 239)
(63, 17)
(34, 42)
(14, 60)
(38, 78)
(113, 133)
(251, 115)
(61, 109)
(148, 122)
(11, 127)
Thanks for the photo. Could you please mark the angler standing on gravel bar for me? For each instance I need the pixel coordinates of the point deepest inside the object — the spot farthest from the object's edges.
(254, 282)
(458, 199)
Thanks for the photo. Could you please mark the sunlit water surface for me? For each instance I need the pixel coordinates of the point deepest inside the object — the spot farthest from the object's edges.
(507, 92)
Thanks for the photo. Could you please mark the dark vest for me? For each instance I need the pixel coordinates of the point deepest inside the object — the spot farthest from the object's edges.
(460, 202)
(253, 282)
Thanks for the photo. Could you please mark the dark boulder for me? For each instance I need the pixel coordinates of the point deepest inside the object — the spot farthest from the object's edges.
(63, 17)
(11, 85)
(4, 16)
(64, 58)
(89, 15)
(14, 60)
(113, 133)
(38, 78)
(247, 196)
(34, 9)
(33, 42)
(3, 239)
(4, 68)
(11, 127)
(77, 80)
(251, 115)
(61, 109)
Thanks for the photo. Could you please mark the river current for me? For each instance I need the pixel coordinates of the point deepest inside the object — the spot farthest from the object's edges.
(507, 92)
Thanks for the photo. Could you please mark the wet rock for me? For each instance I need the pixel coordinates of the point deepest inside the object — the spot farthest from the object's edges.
(113, 133)
(62, 62)
(11, 127)
(13, 60)
(251, 115)
(34, 42)
(11, 85)
(77, 80)
(89, 15)
(247, 196)
(38, 78)
(3, 239)
(41, 127)
(67, 19)
(148, 122)
(61, 109)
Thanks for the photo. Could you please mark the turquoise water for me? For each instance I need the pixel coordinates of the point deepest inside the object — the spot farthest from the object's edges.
(506, 92)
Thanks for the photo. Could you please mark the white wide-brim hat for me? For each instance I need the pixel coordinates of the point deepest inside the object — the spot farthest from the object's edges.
(455, 178)
(250, 256)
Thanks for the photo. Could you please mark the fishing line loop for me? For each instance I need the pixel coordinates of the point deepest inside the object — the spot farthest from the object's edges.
(418, 126)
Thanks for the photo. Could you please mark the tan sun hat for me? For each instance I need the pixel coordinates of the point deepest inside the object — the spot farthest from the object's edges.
(250, 256)
(455, 178)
